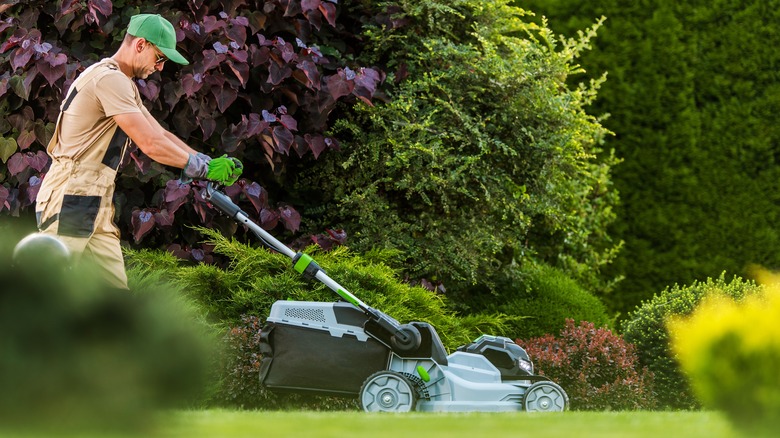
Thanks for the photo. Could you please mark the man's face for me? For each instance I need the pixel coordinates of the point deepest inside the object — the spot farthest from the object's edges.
(151, 60)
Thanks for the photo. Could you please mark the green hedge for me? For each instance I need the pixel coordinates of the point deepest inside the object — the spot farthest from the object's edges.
(693, 97)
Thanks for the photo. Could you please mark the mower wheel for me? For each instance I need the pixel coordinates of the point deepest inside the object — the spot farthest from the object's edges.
(412, 342)
(388, 391)
(545, 396)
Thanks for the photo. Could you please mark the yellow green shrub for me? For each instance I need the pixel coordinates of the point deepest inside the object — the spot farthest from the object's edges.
(731, 353)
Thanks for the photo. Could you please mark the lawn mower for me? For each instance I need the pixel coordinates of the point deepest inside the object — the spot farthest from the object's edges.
(347, 348)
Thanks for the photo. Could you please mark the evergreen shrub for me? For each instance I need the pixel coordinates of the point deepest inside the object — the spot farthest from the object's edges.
(646, 328)
(731, 353)
(238, 299)
(596, 368)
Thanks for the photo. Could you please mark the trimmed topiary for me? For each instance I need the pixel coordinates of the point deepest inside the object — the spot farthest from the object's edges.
(543, 299)
(646, 328)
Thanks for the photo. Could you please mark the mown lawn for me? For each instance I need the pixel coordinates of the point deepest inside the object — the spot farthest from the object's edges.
(233, 424)
(257, 424)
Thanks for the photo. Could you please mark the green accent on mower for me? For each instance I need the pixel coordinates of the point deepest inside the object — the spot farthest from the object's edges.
(348, 296)
(423, 374)
(303, 262)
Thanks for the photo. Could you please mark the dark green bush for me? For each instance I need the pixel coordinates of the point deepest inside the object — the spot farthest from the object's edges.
(646, 328)
(596, 368)
(542, 299)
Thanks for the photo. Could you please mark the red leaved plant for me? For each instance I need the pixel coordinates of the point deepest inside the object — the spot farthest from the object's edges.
(597, 368)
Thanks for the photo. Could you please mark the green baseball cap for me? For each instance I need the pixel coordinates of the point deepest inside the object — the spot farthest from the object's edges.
(158, 31)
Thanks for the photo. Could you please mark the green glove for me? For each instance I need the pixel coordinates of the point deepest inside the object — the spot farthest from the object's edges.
(225, 170)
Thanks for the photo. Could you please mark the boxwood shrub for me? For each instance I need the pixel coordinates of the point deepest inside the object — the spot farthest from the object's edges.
(646, 328)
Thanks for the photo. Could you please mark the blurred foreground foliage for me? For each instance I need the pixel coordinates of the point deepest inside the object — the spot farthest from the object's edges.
(78, 356)
(730, 351)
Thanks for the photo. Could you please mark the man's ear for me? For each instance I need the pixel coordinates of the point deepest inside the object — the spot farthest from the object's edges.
(139, 44)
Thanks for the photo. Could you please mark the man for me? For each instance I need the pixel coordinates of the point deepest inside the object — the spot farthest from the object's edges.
(102, 112)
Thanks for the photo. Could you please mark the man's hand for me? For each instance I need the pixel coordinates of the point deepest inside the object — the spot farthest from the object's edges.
(224, 170)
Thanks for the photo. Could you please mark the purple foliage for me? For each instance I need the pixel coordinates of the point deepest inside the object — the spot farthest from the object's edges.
(258, 87)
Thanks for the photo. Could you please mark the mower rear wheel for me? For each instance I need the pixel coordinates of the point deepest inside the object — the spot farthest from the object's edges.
(412, 342)
(388, 391)
(545, 396)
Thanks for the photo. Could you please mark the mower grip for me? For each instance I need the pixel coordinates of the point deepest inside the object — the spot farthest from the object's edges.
(222, 201)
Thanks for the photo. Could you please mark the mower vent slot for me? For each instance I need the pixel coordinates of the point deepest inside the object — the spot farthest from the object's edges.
(513, 398)
(317, 315)
(419, 385)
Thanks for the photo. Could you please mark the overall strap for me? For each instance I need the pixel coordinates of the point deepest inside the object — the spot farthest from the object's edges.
(87, 75)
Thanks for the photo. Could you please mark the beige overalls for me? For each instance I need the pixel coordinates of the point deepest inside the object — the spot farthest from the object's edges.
(75, 201)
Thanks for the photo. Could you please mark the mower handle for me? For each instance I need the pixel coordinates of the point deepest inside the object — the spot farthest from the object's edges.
(223, 203)
(402, 337)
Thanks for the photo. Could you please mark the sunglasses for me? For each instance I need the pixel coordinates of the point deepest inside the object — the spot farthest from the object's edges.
(160, 57)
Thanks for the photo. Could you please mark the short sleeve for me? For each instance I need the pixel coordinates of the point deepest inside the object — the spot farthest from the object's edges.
(117, 94)
(145, 112)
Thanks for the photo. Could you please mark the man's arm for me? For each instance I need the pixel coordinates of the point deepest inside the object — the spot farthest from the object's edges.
(153, 140)
(165, 148)
(171, 136)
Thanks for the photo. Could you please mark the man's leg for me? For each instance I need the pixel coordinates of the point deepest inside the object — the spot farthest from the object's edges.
(105, 253)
